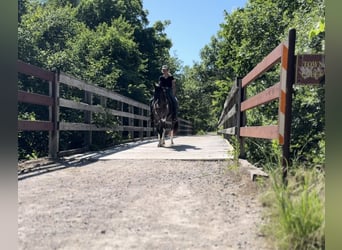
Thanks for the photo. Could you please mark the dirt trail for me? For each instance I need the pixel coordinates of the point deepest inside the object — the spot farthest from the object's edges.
(145, 204)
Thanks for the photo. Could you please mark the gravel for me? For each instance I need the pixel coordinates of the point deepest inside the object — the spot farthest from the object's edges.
(145, 204)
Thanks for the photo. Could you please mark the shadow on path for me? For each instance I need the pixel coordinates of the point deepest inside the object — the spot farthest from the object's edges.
(183, 147)
(44, 166)
(187, 148)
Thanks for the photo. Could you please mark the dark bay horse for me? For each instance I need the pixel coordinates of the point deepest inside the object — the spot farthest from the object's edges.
(162, 114)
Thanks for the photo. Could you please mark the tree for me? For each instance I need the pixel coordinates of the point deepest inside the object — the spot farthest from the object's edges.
(43, 36)
(95, 12)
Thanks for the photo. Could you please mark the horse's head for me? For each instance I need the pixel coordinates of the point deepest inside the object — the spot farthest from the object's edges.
(160, 95)
(160, 91)
(160, 103)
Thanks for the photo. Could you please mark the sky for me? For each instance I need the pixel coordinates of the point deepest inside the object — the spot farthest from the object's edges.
(193, 23)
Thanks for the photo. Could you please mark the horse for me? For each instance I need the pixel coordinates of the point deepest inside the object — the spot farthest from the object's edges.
(162, 113)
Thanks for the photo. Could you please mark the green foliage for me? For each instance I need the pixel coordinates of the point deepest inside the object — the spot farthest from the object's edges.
(106, 43)
(105, 119)
(308, 147)
(108, 56)
(222, 86)
(201, 132)
(236, 151)
(45, 34)
(296, 211)
(95, 12)
(32, 144)
(195, 100)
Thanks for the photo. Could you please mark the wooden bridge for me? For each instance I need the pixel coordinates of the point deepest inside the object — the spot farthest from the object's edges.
(209, 147)
(61, 94)
(204, 147)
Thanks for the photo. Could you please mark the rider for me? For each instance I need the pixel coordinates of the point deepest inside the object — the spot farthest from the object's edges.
(167, 80)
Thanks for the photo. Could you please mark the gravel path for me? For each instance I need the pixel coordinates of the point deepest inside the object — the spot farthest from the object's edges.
(145, 204)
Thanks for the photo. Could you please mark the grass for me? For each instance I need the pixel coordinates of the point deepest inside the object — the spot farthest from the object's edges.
(236, 151)
(296, 212)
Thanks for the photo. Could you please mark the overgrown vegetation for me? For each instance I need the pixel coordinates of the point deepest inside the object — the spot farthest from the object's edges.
(295, 212)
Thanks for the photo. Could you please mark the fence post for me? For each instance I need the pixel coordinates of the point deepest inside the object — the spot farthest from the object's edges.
(54, 116)
(288, 64)
(131, 122)
(121, 119)
(240, 116)
(149, 123)
(88, 140)
(141, 124)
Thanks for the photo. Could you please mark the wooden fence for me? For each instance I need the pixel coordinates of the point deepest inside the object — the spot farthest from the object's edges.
(132, 117)
(233, 118)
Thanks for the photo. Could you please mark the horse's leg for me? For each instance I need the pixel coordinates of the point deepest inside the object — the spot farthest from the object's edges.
(174, 128)
(163, 137)
(159, 131)
(159, 140)
(171, 136)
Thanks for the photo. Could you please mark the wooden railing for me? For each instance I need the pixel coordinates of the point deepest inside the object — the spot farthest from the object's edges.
(132, 117)
(233, 118)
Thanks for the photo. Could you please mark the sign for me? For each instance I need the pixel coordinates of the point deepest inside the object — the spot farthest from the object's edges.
(310, 69)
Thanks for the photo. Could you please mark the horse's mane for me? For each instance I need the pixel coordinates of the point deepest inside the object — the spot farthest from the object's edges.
(160, 94)
(161, 98)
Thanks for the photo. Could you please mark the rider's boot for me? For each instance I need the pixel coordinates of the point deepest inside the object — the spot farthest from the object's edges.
(174, 117)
